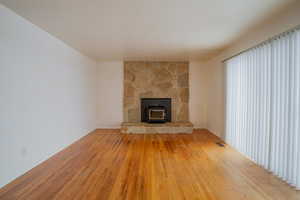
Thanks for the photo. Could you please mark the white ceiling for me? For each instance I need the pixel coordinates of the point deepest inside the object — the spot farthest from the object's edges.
(146, 29)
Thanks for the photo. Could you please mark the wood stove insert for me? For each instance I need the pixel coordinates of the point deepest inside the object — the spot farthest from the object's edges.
(156, 110)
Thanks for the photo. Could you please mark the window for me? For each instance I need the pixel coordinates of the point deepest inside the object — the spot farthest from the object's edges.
(263, 105)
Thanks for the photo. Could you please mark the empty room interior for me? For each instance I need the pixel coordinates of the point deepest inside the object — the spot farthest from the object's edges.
(150, 99)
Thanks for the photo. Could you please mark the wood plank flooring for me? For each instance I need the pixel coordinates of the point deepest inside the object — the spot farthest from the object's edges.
(108, 165)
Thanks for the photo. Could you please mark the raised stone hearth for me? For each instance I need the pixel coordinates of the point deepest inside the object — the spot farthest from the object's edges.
(165, 128)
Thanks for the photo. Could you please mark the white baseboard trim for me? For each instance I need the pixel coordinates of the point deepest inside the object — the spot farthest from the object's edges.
(213, 132)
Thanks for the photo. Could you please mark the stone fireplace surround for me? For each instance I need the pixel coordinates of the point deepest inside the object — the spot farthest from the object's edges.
(156, 80)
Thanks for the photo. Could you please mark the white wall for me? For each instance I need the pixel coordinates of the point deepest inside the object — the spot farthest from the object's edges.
(110, 94)
(285, 20)
(198, 77)
(47, 95)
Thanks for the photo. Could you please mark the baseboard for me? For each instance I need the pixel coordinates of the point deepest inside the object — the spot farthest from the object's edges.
(216, 135)
(213, 132)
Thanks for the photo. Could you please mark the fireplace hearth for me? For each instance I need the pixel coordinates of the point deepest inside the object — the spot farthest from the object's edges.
(156, 110)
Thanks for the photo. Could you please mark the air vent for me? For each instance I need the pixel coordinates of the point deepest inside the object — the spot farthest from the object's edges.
(220, 144)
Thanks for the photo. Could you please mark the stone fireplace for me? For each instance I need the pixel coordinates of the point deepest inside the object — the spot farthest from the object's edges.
(156, 80)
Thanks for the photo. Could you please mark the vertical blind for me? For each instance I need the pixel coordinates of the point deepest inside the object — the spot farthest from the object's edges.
(263, 105)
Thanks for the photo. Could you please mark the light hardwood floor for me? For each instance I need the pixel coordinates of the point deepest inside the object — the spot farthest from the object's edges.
(108, 165)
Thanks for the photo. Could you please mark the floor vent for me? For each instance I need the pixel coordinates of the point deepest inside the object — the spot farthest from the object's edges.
(220, 144)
